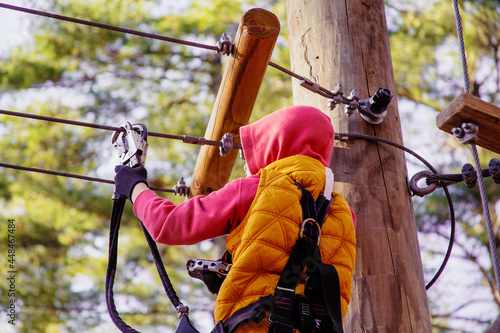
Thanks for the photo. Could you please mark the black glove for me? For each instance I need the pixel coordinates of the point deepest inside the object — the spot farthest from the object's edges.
(126, 178)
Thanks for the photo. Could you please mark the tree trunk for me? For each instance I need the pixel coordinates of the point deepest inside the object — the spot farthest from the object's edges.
(347, 42)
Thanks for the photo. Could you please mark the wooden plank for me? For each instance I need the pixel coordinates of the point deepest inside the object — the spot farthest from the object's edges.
(469, 108)
(338, 41)
(254, 44)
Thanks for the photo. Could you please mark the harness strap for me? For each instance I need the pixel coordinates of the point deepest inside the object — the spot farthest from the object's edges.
(116, 215)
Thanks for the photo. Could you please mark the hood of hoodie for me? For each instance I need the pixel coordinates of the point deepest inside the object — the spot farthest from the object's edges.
(296, 130)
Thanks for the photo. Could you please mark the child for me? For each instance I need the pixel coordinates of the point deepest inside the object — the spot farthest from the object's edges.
(262, 212)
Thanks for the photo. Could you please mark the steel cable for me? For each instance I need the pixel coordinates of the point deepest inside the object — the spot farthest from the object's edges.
(482, 189)
(183, 138)
(340, 136)
(322, 91)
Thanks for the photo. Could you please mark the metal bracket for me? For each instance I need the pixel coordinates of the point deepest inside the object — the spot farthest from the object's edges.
(466, 133)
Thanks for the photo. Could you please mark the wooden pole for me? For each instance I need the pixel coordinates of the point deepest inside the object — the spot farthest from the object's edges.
(253, 46)
(338, 41)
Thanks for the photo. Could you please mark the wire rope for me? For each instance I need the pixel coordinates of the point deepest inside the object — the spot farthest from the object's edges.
(482, 189)
(322, 91)
(183, 138)
(447, 256)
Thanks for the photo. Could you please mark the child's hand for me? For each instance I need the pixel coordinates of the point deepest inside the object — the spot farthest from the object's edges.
(127, 178)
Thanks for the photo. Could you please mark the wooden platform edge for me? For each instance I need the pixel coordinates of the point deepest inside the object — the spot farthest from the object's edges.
(469, 108)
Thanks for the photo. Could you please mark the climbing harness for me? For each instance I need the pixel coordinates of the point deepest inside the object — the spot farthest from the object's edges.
(132, 147)
(286, 311)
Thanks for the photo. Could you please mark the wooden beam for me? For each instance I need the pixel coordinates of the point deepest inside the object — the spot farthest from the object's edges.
(253, 46)
(338, 41)
(469, 108)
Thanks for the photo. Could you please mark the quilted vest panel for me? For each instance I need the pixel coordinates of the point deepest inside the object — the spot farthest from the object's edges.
(263, 241)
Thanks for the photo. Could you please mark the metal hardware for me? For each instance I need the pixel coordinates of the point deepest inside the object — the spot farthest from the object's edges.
(494, 168)
(180, 188)
(312, 222)
(310, 85)
(337, 98)
(373, 110)
(469, 175)
(132, 144)
(225, 45)
(196, 268)
(227, 144)
(182, 310)
(421, 191)
(353, 103)
(466, 133)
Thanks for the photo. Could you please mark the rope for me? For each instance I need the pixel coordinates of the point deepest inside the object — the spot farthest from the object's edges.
(183, 138)
(482, 189)
(340, 136)
(71, 175)
(322, 91)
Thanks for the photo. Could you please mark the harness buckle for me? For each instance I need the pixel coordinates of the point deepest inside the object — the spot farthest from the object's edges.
(308, 231)
(277, 320)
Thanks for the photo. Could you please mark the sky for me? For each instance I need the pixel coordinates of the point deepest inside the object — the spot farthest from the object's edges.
(12, 31)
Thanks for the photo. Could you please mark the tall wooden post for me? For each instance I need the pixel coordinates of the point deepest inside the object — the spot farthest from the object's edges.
(338, 41)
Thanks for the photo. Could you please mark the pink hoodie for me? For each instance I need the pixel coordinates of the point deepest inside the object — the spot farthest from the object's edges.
(296, 130)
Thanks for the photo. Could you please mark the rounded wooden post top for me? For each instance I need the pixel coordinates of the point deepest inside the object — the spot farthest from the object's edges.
(260, 23)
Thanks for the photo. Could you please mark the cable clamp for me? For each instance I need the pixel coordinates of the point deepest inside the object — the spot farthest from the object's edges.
(227, 144)
(469, 175)
(309, 85)
(225, 45)
(494, 168)
(352, 102)
(337, 98)
(180, 188)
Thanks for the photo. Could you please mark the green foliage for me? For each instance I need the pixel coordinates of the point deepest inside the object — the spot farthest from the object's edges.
(427, 66)
(84, 73)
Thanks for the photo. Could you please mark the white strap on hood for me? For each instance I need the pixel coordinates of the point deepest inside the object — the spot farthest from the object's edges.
(328, 183)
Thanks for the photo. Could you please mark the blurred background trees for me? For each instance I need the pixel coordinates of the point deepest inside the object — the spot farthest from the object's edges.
(66, 70)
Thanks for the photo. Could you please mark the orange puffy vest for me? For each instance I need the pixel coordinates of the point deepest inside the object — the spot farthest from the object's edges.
(261, 244)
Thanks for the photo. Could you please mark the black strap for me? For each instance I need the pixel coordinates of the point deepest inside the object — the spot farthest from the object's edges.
(116, 215)
(304, 253)
(186, 326)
